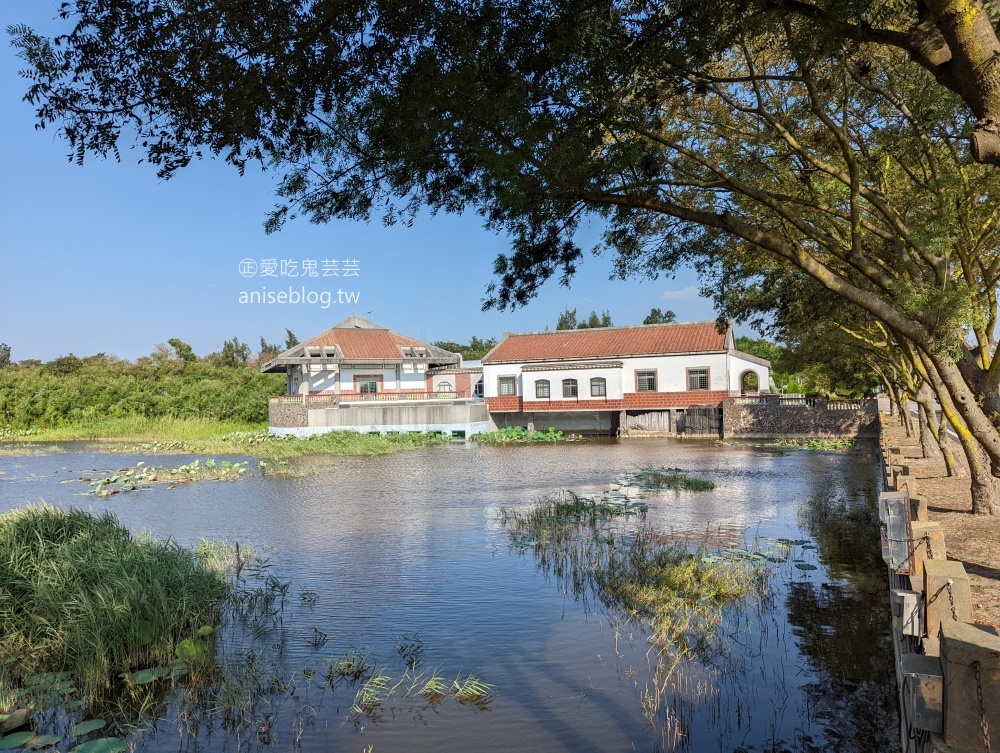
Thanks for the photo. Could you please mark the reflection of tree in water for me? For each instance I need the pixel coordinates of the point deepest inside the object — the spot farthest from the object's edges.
(843, 628)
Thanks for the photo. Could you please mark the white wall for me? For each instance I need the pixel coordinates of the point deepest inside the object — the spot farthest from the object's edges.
(671, 370)
(613, 377)
(738, 366)
(724, 372)
(326, 380)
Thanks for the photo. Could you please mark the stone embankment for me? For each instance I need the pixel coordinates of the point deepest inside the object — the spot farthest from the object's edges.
(947, 663)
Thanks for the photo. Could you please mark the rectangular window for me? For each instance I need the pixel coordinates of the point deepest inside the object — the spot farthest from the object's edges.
(368, 387)
(697, 379)
(598, 387)
(506, 385)
(570, 388)
(645, 381)
(542, 390)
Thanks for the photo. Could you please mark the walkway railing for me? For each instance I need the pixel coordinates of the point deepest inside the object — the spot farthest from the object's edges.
(332, 399)
(382, 397)
(800, 401)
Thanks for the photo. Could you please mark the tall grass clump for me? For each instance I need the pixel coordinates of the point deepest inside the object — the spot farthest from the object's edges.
(79, 593)
(660, 479)
(600, 547)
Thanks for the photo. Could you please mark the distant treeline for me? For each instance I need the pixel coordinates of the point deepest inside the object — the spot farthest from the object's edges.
(172, 382)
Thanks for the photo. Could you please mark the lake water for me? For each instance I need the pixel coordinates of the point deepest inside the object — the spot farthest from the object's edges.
(411, 544)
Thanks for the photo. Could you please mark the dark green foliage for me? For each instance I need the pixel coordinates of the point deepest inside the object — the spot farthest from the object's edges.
(474, 351)
(78, 593)
(290, 339)
(182, 350)
(65, 365)
(104, 387)
(567, 320)
(660, 317)
(4, 355)
(233, 353)
(269, 349)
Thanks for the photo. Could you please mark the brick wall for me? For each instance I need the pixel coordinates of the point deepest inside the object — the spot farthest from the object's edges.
(688, 399)
(590, 405)
(504, 404)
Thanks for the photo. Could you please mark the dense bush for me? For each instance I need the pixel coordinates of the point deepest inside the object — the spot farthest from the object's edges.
(74, 390)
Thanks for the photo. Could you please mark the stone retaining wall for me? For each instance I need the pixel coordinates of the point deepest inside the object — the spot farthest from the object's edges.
(947, 667)
(767, 416)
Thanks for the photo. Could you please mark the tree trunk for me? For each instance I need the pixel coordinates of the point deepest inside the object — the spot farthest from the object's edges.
(950, 461)
(938, 430)
(904, 411)
(985, 486)
(928, 445)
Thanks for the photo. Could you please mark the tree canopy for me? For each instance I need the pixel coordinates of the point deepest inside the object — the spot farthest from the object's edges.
(660, 317)
(838, 143)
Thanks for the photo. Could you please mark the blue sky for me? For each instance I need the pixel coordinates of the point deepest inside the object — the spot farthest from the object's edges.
(108, 258)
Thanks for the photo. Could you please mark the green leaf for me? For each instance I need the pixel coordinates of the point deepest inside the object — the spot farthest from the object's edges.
(143, 676)
(15, 720)
(103, 745)
(86, 727)
(189, 649)
(206, 630)
(17, 740)
(42, 741)
(805, 566)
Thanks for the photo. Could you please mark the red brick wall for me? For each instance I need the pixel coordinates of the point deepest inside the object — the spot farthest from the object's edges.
(504, 404)
(639, 400)
(463, 383)
(632, 401)
(547, 405)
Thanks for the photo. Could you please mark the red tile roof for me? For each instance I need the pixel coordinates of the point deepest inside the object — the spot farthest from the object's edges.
(610, 342)
(368, 344)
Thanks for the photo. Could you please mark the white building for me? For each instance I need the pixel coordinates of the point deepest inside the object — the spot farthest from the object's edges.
(617, 379)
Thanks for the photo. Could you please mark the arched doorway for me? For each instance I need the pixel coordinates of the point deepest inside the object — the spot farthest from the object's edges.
(749, 383)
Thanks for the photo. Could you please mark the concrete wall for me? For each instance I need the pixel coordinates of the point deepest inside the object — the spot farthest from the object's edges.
(469, 417)
(771, 419)
(578, 422)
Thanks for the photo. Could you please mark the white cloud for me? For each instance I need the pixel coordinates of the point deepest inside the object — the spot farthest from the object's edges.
(689, 293)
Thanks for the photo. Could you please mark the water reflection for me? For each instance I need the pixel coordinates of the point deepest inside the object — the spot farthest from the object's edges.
(411, 543)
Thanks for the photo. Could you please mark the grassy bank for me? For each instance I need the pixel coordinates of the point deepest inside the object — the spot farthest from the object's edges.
(166, 435)
(80, 594)
(132, 429)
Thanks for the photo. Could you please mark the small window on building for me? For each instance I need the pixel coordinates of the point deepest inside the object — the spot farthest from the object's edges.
(697, 379)
(598, 387)
(570, 388)
(445, 387)
(506, 385)
(645, 381)
(478, 389)
(368, 387)
(542, 390)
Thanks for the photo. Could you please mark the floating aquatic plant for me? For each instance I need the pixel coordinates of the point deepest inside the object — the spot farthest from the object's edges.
(660, 479)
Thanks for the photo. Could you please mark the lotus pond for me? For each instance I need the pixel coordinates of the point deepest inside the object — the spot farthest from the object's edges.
(493, 598)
